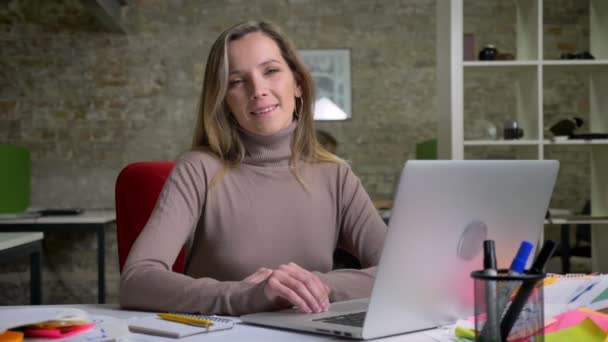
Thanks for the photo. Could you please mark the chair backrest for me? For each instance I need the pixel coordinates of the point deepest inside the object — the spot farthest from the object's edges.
(137, 188)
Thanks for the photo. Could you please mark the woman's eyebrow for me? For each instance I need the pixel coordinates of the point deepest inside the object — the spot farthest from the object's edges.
(270, 61)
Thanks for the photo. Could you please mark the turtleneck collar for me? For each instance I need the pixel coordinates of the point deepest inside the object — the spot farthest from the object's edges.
(268, 150)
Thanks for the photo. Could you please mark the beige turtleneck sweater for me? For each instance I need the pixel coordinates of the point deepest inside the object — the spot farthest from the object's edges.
(256, 215)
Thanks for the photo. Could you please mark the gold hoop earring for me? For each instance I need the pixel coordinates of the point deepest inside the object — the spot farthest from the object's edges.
(297, 113)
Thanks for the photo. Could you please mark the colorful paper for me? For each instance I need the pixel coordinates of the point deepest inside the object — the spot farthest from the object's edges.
(464, 333)
(105, 329)
(11, 336)
(575, 317)
(586, 331)
(58, 332)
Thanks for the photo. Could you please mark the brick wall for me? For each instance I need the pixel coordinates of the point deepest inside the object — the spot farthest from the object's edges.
(87, 102)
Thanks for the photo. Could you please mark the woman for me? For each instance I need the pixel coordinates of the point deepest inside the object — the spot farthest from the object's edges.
(259, 205)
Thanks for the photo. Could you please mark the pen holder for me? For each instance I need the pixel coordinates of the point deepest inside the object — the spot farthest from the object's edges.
(508, 307)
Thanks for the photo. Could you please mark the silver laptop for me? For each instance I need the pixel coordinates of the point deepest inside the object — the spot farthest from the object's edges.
(443, 210)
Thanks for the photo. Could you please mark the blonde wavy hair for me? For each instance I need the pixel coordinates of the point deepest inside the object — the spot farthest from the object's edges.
(216, 132)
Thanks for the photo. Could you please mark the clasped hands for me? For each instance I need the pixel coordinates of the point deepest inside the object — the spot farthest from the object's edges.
(291, 285)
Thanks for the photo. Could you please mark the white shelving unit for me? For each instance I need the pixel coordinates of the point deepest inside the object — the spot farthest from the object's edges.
(524, 80)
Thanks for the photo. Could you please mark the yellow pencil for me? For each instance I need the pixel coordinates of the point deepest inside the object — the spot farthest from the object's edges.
(186, 319)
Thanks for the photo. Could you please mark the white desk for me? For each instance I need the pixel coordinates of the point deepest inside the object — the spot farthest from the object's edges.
(90, 220)
(240, 332)
(17, 245)
(596, 247)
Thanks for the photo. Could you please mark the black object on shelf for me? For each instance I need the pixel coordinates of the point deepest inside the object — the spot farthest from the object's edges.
(589, 136)
(576, 55)
(61, 212)
(488, 53)
(512, 130)
(566, 127)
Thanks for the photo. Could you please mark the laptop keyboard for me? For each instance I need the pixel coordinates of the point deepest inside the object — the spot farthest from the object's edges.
(354, 320)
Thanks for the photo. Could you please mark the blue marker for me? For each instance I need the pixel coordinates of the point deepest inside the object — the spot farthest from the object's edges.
(525, 290)
(517, 267)
(519, 262)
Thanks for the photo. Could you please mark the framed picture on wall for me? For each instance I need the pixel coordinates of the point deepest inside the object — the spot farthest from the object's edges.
(330, 70)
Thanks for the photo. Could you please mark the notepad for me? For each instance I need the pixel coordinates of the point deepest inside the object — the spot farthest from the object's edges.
(154, 325)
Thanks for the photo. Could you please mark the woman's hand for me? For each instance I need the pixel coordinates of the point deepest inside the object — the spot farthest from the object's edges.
(259, 276)
(291, 285)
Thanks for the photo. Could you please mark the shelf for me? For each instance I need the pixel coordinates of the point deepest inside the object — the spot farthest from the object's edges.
(576, 142)
(585, 27)
(537, 89)
(500, 66)
(576, 65)
(522, 38)
(500, 142)
(496, 93)
(520, 142)
(584, 84)
(582, 62)
(486, 64)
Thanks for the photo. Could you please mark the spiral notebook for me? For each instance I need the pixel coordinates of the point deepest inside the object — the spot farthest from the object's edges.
(153, 325)
(571, 291)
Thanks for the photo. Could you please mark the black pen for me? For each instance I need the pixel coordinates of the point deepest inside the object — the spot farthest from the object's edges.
(490, 329)
(543, 257)
(526, 289)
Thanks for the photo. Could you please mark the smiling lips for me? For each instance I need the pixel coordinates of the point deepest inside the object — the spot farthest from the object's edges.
(264, 111)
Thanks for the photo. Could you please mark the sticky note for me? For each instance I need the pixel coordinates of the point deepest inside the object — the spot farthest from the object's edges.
(11, 336)
(586, 331)
(464, 333)
(575, 317)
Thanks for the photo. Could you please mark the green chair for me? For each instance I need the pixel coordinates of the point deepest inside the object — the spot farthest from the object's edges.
(426, 149)
(14, 178)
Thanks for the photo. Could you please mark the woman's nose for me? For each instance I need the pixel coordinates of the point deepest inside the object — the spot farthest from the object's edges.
(258, 88)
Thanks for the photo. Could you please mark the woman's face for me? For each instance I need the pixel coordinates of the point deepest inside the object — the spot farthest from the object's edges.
(261, 87)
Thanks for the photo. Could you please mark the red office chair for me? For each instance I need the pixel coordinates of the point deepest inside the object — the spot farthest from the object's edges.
(137, 188)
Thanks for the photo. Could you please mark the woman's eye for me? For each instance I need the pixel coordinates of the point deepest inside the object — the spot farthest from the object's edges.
(235, 82)
(271, 71)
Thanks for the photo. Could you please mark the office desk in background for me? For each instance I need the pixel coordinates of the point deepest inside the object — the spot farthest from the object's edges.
(240, 332)
(19, 245)
(90, 220)
(565, 223)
